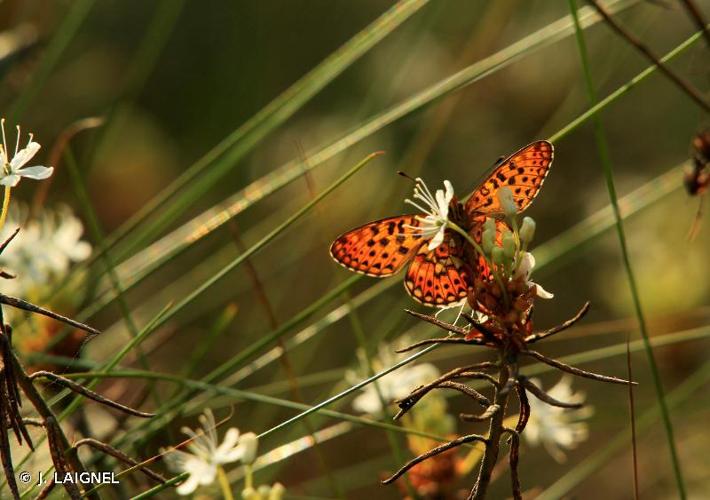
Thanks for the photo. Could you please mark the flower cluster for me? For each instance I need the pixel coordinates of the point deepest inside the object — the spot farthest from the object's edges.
(503, 291)
(391, 387)
(207, 455)
(43, 251)
(556, 428)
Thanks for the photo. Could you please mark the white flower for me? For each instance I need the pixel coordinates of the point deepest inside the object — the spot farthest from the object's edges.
(206, 454)
(12, 168)
(436, 209)
(558, 428)
(525, 267)
(44, 249)
(395, 385)
(264, 492)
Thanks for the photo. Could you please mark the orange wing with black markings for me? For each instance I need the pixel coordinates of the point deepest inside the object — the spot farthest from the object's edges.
(439, 277)
(380, 248)
(523, 172)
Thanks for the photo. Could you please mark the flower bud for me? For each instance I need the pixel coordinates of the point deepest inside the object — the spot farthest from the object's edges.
(497, 255)
(489, 236)
(508, 245)
(527, 230)
(250, 443)
(277, 491)
(250, 494)
(507, 203)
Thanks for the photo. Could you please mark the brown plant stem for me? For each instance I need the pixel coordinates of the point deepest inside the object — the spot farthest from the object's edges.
(87, 393)
(574, 370)
(694, 12)
(682, 84)
(119, 455)
(434, 451)
(443, 340)
(469, 417)
(495, 429)
(513, 459)
(441, 324)
(524, 414)
(557, 329)
(27, 306)
(543, 396)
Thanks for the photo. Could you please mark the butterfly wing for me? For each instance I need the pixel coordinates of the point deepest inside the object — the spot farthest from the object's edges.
(380, 248)
(523, 172)
(439, 277)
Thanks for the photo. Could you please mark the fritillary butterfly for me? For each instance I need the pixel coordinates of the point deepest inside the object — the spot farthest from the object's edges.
(443, 276)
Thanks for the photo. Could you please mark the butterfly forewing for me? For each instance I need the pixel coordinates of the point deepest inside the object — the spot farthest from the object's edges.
(380, 248)
(523, 172)
(439, 277)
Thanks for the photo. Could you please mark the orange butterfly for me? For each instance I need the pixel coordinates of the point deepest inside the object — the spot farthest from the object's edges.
(439, 272)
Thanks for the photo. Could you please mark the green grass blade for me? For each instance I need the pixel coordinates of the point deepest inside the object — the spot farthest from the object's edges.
(607, 167)
(220, 159)
(78, 12)
(213, 218)
(689, 388)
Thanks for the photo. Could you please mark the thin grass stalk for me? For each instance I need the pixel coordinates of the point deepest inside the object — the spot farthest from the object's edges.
(91, 382)
(270, 183)
(267, 119)
(97, 233)
(685, 391)
(394, 444)
(683, 85)
(226, 367)
(78, 11)
(248, 395)
(608, 170)
(141, 66)
(256, 193)
(286, 364)
(224, 155)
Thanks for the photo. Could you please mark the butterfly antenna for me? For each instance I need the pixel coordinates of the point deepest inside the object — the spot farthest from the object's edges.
(406, 176)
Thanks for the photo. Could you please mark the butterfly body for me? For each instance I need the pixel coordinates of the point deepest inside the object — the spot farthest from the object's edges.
(443, 275)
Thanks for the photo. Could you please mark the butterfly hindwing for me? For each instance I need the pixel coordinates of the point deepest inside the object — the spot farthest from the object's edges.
(439, 277)
(380, 248)
(523, 172)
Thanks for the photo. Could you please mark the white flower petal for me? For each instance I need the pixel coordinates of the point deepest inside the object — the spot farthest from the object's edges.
(24, 155)
(188, 486)
(449, 190)
(10, 180)
(542, 293)
(250, 443)
(38, 173)
(438, 239)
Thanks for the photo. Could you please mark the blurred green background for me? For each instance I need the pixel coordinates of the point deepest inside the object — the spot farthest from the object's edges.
(175, 78)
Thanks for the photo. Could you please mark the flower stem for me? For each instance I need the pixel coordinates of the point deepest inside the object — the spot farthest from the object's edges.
(5, 206)
(473, 243)
(224, 483)
(495, 430)
(503, 290)
(248, 477)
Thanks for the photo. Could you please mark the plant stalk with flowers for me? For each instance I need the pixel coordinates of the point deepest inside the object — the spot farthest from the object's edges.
(16, 384)
(502, 298)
